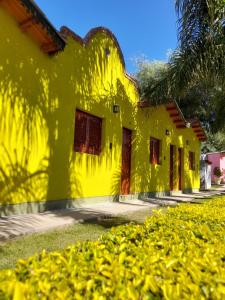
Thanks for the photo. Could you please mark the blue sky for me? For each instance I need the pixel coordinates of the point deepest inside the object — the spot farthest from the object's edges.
(146, 27)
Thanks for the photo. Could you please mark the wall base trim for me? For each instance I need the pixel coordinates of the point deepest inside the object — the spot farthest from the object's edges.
(39, 207)
(145, 195)
(190, 190)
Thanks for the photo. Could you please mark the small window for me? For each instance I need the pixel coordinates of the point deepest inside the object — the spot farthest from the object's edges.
(191, 160)
(154, 151)
(88, 129)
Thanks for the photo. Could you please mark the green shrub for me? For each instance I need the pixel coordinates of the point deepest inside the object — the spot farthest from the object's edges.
(217, 172)
(175, 255)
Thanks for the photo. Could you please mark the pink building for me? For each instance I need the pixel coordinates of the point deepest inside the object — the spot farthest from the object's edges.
(218, 160)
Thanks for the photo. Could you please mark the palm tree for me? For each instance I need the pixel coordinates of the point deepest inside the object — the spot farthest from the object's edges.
(201, 52)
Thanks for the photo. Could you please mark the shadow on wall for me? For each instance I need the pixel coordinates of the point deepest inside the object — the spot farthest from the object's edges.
(127, 119)
(24, 161)
(144, 176)
(38, 98)
(150, 177)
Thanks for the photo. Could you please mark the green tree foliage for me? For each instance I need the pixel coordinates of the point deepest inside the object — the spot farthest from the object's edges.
(206, 102)
(149, 73)
(203, 100)
(200, 21)
(215, 142)
(201, 52)
(195, 73)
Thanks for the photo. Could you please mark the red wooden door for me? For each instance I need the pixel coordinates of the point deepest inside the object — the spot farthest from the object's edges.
(126, 162)
(171, 167)
(180, 168)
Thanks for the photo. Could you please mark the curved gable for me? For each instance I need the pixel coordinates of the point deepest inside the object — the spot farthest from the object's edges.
(32, 21)
(66, 32)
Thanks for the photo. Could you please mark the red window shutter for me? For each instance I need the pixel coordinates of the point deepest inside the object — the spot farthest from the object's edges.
(154, 150)
(88, 131)
(95, 130)
(80, 139)
(151, 151)
(191, 160)
(157, 151)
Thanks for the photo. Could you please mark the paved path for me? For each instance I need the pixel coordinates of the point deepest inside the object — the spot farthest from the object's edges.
(14, 226)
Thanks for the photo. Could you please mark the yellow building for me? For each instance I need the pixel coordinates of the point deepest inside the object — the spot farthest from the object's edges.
(72, 127)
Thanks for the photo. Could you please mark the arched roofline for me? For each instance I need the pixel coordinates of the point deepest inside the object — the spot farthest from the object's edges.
(66, 32)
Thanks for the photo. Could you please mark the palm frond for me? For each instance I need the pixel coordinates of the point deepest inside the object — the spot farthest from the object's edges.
(199, 19)
(203, 61)
(201, 55)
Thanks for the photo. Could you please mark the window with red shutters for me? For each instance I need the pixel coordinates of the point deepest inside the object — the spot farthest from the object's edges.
(154, 151)
(80, 139)
(88, 129)
(95, 130)
(191, 160)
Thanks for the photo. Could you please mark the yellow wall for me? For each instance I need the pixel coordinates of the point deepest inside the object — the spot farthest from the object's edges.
(155, 122)
(38, 99)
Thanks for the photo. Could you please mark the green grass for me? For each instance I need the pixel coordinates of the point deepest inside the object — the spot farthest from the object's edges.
(26, 246)
(23, 247)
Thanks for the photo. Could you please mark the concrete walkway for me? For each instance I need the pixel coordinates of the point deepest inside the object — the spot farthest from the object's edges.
(14, 226)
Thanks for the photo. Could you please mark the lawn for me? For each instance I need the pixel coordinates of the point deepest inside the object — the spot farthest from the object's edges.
(26, 246)
(23, 247)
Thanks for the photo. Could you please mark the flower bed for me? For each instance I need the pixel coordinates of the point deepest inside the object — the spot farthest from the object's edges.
(175, 255)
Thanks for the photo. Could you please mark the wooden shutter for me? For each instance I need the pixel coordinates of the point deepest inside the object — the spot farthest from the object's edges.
(157, 152)
(80, 139)
(154, 150)
(88, 131)
(191, 160)
(95, 130)
(151, 150)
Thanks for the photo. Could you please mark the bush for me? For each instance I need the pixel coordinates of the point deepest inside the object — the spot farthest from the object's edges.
(217, 172)
(175, 255)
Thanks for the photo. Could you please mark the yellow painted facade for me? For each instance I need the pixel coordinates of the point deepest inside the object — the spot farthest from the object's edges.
(39, 95)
